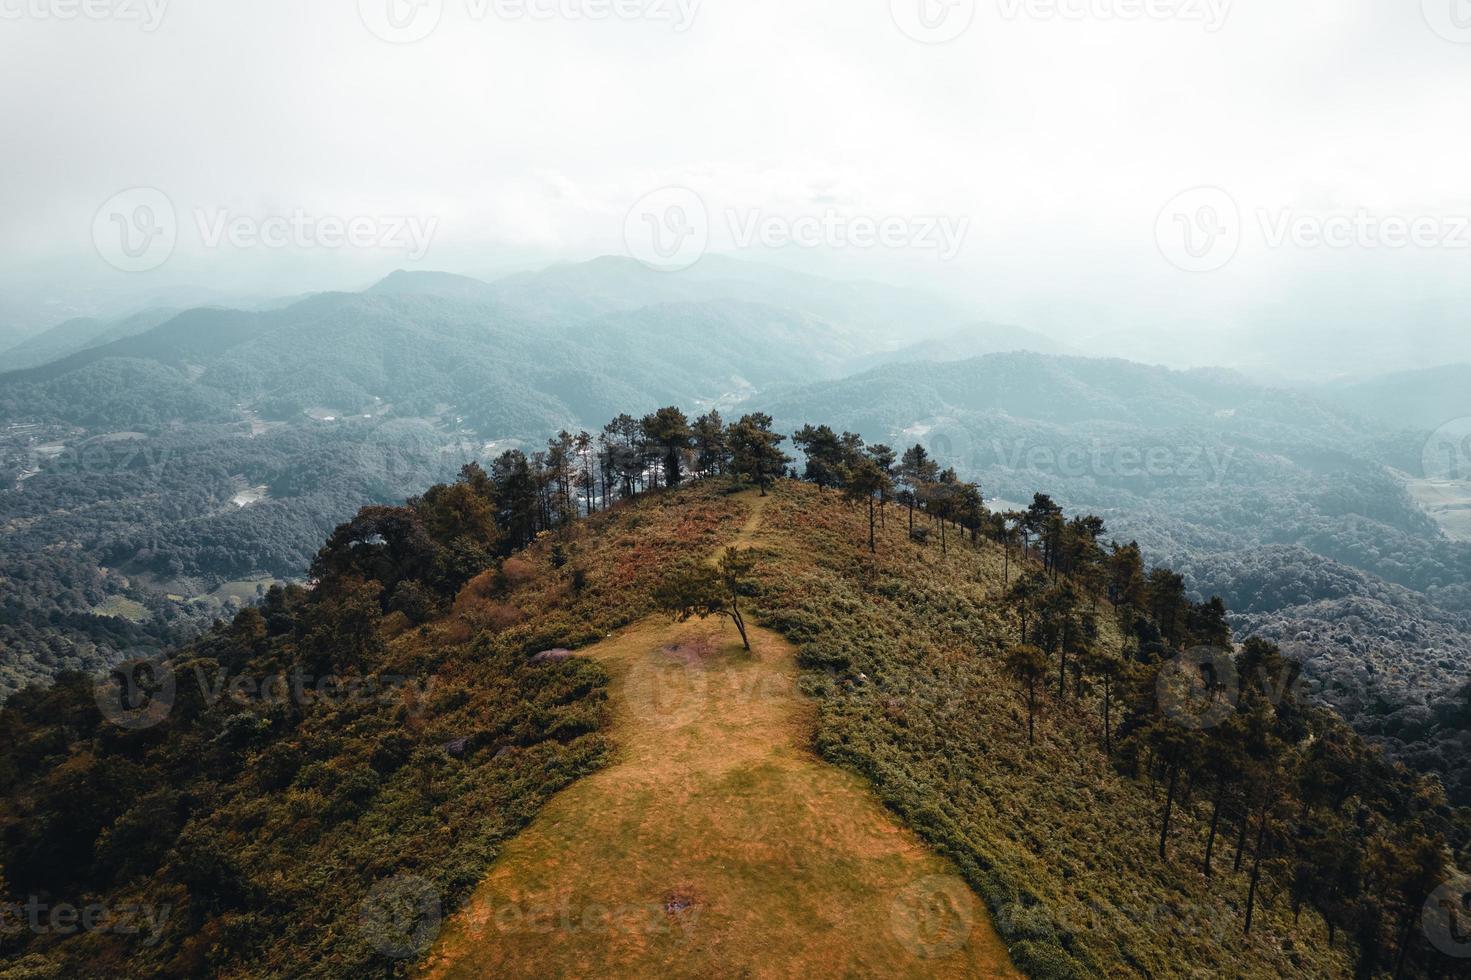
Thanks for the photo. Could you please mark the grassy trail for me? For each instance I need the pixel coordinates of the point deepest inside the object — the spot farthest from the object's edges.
(718, 845)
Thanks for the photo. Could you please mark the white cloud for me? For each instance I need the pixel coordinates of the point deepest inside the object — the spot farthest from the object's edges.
(1059, 138)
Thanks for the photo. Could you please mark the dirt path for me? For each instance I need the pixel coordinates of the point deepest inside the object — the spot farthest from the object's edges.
(718, 845)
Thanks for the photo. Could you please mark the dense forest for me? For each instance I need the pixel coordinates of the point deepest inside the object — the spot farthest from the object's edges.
(239, 805)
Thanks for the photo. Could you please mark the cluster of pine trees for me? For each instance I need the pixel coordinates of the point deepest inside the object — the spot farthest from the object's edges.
(582, 474)
(1289, 789)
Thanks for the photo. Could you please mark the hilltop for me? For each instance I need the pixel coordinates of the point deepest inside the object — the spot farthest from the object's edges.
(514, 725)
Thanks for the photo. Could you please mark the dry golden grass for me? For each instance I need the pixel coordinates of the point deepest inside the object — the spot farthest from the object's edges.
(718, 844)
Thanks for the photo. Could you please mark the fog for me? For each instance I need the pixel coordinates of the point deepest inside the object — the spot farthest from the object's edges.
(1277, 187)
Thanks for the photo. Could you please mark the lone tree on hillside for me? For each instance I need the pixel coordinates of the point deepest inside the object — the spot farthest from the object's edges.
(1028, 665)
(701, 591)
(865, 481)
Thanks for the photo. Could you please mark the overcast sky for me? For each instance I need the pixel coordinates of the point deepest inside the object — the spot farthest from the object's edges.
(1033, 164)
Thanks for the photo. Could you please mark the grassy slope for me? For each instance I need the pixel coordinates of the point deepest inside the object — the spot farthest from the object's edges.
(1062, 849)
(788, 865)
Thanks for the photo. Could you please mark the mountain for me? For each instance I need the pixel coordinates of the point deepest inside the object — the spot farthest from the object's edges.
(971, 341)
(1423, 400)
(444, 285)
(79, 334)
(516, 761)
(874, 312)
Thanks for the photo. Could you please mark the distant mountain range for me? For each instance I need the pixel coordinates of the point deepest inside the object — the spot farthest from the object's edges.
(1424, 399)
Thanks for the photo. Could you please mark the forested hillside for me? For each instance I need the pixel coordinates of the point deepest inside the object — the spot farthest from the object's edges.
(308, 788)
(158, 480)
(1295, 511)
